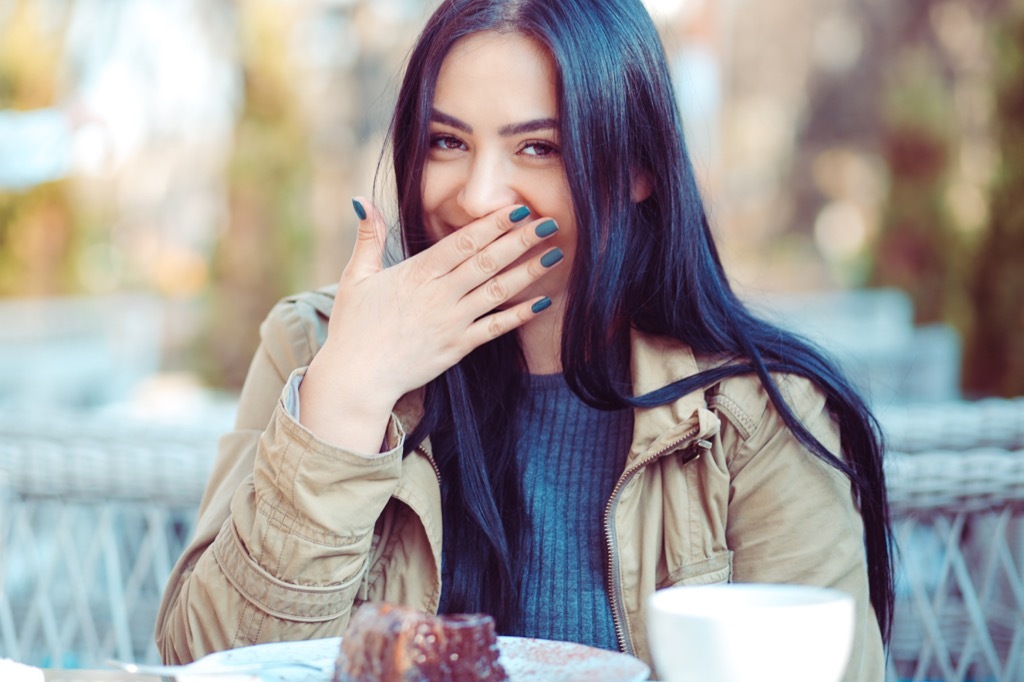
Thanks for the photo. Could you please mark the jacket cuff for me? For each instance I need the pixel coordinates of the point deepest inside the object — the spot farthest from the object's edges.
(301, 527)
(394, 436)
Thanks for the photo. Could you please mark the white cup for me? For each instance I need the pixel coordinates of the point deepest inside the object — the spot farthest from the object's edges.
(750, 633)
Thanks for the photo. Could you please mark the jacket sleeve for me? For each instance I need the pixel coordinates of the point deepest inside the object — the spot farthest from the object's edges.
(792, 517)
(286, 523)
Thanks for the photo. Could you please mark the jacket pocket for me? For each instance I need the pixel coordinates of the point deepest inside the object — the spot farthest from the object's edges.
(711, 571)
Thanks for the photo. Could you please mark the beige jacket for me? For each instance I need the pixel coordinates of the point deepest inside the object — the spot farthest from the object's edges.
(293, 532)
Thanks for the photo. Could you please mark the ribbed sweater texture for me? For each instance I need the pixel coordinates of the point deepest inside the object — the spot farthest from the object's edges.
(571, 456)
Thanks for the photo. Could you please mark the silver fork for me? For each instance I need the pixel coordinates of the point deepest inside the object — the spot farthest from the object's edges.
(172, 671)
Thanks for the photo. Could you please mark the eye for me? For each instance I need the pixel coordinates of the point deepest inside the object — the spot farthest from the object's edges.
(446, 142)
(539, 149)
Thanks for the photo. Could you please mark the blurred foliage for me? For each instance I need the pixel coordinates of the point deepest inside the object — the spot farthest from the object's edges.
(919, 249)
(937, 95)
(994, 362)
(38, 231)
(29, 59)
(896, 111)
(38, 242)
(968, 276)
(260, 255)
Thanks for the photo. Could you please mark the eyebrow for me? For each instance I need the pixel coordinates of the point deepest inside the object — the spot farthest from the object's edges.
(505, 131)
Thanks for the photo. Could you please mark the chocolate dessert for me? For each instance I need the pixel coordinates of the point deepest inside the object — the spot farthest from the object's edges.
(388, 643)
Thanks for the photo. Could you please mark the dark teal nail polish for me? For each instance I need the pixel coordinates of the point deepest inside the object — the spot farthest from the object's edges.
(551, 257)
(518, 214)
(546, 228)
(360, 211)
(541, 305)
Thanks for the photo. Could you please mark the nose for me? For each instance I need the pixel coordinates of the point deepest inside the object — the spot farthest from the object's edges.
(487, 187)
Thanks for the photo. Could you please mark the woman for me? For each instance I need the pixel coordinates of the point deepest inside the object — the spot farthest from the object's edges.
(555, 404)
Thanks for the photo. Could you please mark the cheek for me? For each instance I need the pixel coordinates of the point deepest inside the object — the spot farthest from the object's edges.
(555, 200)
(552, 189)
(431, 193)
(432, 199)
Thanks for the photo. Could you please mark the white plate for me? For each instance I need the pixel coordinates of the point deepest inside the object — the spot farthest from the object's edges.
(524, 659)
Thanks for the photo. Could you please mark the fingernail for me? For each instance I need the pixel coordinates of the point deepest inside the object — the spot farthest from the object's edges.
(546, 228)
(551, 257)
(541, 305)
(360, 211)
(518, 214)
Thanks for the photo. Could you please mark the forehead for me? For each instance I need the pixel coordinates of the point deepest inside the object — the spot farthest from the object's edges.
(488, 72)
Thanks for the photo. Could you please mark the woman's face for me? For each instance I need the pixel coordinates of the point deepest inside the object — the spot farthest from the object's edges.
(494, 142)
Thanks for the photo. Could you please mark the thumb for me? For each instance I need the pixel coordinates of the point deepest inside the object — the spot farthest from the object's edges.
(368, 252)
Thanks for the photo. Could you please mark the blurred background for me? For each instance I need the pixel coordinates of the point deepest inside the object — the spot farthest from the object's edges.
(173, 167)
(169, 169)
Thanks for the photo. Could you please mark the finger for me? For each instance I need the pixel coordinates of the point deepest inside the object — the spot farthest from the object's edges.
(467, 241)
(504, 286)
(503, 252)
(499, 323)
(368, 252)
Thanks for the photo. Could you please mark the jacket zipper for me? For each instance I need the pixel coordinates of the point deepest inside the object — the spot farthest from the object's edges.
(614, 585)
(430, 458)
(437, 472)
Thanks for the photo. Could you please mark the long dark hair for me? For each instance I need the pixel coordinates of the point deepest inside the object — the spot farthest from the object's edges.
(652, 265)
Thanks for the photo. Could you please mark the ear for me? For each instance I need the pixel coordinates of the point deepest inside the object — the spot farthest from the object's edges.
(641, 186)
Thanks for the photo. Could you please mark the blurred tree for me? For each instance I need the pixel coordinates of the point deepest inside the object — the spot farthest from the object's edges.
(918, 249)
(994, 360)
(30, 57)
(38, 242)
(319, 80)
(937, 87)
(264, 247)
(890, 106)
(37, 236)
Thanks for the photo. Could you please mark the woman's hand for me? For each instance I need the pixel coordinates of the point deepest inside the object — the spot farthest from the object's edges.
(393, 330)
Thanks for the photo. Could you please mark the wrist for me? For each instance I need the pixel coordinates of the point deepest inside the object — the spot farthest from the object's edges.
(344, 407)
(368, 380)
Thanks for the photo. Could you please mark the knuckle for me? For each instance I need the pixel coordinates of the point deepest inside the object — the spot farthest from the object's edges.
(450, 350)
(496, 291)
(494, 327)
(526, 238)
(485, 263)
(465, 244)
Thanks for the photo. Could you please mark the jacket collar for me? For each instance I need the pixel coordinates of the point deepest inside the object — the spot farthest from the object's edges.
(655, 362)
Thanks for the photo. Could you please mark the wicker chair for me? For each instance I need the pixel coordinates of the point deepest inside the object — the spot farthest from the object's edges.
(956, 485)
(97, 511)
(954, 425)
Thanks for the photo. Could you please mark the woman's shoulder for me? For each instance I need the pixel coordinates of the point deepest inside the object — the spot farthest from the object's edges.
(743, 400)
(296, 327)
(741, 397)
